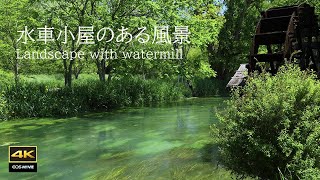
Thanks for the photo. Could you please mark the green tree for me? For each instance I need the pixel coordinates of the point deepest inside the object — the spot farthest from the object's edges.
(14, 16)
(73, 15)
(235, 36)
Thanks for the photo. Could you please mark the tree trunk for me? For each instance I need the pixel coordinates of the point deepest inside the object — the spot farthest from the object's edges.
(109, 77)
(16, 71)
(102, 76)
(15, 64)
(101, 66)
(68, 72)
(76, 75)
(76, 72)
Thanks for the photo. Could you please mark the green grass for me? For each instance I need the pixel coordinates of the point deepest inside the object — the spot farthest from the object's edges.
(41, 97)
(57, 78)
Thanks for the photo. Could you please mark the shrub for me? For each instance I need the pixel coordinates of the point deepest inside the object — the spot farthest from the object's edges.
(6, 79)
(271, 127)
(3, 108)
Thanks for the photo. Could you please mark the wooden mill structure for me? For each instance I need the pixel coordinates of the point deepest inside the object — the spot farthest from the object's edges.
(289, 33)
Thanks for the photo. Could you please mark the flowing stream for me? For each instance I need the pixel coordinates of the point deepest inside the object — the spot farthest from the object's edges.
(161, 142)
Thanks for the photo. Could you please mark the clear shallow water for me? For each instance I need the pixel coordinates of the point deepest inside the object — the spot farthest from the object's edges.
(164, 142)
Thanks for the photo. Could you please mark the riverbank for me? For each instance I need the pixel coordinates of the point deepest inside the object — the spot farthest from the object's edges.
(52, 100)
(42, 96)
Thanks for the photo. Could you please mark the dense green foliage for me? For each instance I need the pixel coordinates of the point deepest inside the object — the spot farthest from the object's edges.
(42, 100)
(123, 82)
(3, 108)
(272, 127)
(6, 80)
(235, 37)
(114, 14)
(209, 87)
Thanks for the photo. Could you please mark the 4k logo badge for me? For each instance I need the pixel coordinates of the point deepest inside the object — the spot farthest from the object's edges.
(22, 158)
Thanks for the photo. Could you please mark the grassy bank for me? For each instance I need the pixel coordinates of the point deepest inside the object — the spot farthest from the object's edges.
(34, 99)
(44, 95)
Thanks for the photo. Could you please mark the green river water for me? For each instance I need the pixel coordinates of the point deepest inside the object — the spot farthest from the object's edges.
(163, 142)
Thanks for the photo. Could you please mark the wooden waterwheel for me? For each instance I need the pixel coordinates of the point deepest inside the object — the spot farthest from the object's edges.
(289, 33)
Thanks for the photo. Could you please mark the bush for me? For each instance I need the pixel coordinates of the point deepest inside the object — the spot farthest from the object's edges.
(6, 79)
(3, 108)
(271, 127)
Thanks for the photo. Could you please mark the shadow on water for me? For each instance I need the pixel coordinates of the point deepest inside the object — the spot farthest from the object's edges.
(209, 153)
